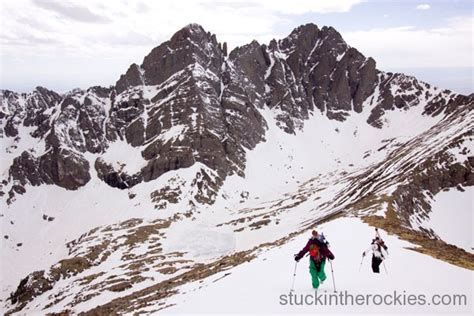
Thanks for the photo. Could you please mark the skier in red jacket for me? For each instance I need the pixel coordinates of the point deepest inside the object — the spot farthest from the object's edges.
(317, 246)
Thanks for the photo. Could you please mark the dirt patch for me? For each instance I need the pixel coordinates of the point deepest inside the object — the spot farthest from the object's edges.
(140, 234)
(120, 287)
(153, 294)
(260, 224)
(88, 279)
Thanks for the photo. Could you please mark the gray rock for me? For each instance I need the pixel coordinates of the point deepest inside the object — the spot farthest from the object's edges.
(189, 102)
(64, 168)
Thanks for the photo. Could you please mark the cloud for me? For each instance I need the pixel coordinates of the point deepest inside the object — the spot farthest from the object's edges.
(81, 22)
(287, 7)
(125, 38)
(408, 46)
(141, 7)
(423, 7)
(71, 11)
(305, 6)
(28, 40)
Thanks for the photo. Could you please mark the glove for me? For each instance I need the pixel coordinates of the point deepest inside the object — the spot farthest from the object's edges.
(296, 258)
(363, 254)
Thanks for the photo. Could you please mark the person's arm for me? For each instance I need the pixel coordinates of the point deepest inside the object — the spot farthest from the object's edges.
(303, 251)
(327, 253)
(367, 251)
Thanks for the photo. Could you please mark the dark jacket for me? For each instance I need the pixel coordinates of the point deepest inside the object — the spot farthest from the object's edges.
(323, 249)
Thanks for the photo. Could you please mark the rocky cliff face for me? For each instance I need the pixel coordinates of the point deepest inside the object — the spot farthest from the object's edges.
(187, 102)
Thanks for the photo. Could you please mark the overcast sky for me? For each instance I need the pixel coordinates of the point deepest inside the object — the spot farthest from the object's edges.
(63, 44)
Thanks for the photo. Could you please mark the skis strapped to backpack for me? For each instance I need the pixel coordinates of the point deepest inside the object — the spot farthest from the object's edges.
(380, 241)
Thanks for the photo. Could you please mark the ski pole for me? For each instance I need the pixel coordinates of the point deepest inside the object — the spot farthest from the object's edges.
(294, 277)
(332, 272)
(386, 272)
(361, 262)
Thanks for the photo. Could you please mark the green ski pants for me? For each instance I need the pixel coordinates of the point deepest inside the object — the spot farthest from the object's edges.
(317, 276)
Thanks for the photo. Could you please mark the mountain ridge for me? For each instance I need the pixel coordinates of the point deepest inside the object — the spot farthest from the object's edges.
(256, 146)
(339, 80)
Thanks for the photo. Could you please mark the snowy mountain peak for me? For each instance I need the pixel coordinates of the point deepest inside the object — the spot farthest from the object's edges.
(189, 45)
(242, 150)
(190, 30)
(186, 91)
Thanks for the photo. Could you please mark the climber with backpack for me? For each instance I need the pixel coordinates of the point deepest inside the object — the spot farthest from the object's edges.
(317, 246)
(377, 247)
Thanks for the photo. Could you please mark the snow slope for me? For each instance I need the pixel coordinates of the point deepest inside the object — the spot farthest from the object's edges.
(276, 171)
(321, 147)
(256, 287)
(456, 208)
(91, 206)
